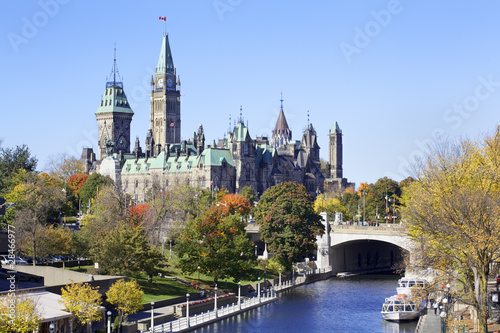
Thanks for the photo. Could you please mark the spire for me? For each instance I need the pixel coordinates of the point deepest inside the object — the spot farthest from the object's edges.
(115, 74)
(281, 135)
(165, 61)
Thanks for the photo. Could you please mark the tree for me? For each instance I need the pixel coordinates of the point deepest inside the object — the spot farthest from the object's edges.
(11, 161)
(94, 183)
(453, 214)
(248, 193)
(83, 301)
(62, 166)
(27, 317)
(231, 204)
(126, 251)
(126, 296)
(218, 245)
(288, 222)
(37, 200)
(76, 181)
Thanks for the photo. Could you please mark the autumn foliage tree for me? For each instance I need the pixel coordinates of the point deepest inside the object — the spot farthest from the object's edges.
(126, 296)
(83, 301)
(288, 222)
(27, 316)
(453, 214)
(218, 244)
(231, 204)
(76, 181)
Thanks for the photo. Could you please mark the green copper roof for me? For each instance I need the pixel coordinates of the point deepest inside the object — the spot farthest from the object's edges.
(165, 61)
(336, 128)
(215, 157)
(241, 132)
(114, 101)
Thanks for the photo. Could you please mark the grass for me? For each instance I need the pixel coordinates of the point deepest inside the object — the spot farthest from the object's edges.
(164, 288)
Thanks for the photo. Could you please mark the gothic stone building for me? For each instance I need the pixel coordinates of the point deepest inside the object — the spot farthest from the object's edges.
(236, 161)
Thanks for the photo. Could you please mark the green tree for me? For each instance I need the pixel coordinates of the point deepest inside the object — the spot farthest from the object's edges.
(93, 184)
(27, 317)
(453, 214)
(37, 200)
(83, 301)
(248, 193)
(126, 296)
(11, 161)
(126, 251)
(288, 222)
(218, 245)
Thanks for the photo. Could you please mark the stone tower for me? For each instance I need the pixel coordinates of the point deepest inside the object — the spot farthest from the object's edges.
(309, 143)
(282, 135)
(335, 151)
(114, 116)
(165, 115)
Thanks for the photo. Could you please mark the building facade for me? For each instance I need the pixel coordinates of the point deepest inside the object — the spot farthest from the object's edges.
(234, 162)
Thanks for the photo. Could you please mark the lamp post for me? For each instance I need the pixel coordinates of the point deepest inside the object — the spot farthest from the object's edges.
(187, 309)
(364, 203)
(152, 316)
(239, 295)
(109, 321)
(198, 274)
(293, 274)
(256, 250)
(280, 278)
(215, 301)
(258, 288)
(51, 327)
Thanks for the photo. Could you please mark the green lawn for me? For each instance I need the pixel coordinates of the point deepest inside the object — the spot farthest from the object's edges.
(164, 288)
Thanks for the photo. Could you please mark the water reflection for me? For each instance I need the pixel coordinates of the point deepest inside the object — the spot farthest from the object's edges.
(335, 305)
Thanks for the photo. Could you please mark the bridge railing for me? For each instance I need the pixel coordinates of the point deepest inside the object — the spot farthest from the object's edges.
(389, 228)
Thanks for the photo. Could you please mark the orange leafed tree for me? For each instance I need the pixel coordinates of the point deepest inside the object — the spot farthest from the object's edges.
(362, 186)
(137, 214)
(234, 203)
(76, 181)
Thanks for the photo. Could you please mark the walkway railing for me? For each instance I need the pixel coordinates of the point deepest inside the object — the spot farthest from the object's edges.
(182, 324)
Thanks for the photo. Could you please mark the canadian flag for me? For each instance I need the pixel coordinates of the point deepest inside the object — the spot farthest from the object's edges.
(172, 124)
(164, 18)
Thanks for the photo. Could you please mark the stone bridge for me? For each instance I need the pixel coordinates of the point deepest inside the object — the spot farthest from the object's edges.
(362, 249)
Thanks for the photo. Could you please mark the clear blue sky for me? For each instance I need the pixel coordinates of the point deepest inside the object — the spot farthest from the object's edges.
(391, 73)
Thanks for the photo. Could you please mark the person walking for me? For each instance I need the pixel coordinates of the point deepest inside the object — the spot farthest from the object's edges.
(435, 306)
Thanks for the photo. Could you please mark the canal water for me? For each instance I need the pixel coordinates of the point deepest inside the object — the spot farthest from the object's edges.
(341, 305)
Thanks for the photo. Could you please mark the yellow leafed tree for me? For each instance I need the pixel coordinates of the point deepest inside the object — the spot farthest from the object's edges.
(83, 301)
(126, 296)
(19, 313)
(453, 213)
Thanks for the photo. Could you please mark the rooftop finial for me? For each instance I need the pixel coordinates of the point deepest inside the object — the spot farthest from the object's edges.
(308, 118)
(241, 115)
(229, 130)
(281, 100)
(116, 74)
(114, 66)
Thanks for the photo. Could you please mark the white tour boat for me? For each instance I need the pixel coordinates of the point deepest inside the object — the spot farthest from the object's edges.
(399, 308)
(405, 285)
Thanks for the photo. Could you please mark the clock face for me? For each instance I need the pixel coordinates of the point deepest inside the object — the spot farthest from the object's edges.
(160, 83)
(170, 82)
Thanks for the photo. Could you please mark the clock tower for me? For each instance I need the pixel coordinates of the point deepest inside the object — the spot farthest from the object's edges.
(165, 114)
(114, 116)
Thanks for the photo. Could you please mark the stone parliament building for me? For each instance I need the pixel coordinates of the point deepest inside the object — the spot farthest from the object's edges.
(231, 163)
